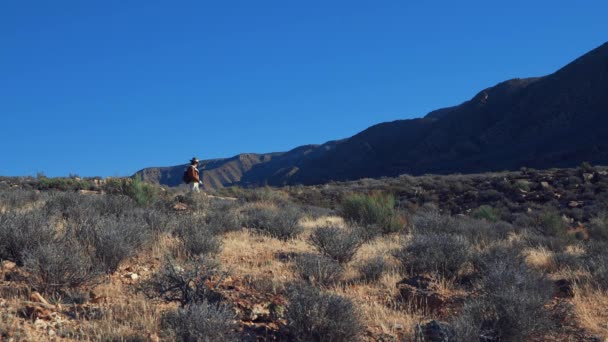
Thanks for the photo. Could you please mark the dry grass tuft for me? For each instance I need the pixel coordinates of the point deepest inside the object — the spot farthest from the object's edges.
(590, 306)
(540, 258)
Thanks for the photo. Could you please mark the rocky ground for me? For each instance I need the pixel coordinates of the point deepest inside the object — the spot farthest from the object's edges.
(400, 302)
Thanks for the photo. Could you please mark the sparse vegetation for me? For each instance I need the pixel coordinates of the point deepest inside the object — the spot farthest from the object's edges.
(317, 316)
(336, 243)
(487, 258)
(444, 255)
(317, 269)
(205, 321)
(375, 211)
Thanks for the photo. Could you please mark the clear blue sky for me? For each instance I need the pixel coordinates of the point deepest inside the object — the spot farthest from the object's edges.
(109, 87)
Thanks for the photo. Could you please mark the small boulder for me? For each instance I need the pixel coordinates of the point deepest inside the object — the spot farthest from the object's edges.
(180, 207)
(37, 297)
(563, 289)
(545, 185)
(132, 276)
(8, 265)
(436, 331)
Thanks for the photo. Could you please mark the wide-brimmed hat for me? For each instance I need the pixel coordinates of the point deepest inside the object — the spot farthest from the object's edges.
(194, 160)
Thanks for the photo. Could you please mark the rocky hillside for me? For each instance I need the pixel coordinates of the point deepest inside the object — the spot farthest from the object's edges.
(559, 120)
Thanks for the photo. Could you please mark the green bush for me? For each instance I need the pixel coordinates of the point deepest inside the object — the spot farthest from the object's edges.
(486, 212)
(143, 193)
(373, 210)
(550, 222)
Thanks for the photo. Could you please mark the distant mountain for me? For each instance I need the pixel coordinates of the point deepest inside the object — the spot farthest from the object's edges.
(558, 120)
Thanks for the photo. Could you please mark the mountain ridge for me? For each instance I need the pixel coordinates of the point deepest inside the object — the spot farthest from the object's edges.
(557, 120)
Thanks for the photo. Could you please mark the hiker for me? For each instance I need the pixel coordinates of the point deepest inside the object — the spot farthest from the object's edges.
(192, 175)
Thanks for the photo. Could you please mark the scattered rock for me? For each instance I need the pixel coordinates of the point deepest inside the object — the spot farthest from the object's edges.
(563, 289)
(132, 276)
(256, 313)
(545, 185)
(436, 331)
(37, 297)
(8, 265)
(180, 207)
(420, 282)
(37, 312)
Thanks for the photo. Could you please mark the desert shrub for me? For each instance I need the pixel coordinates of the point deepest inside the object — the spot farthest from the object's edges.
(336, 243)
(598, 229)
(549, 222)
(595, 261)
(209, 322)
(225, 217)
(490, 195)
(522, 185)
(486, 212)
(442, 254)
(373, 210)
(197, 237)
(431, 221)
(318, 269)
(59, 266)
(313, 315)
(186, 285)
(141, 192)
(281, 223)
(372, 269)
(20, 232)
(158, 221)
(17, 198)
(69, 206)
(510, 304)
(113, 205)
(113, 240)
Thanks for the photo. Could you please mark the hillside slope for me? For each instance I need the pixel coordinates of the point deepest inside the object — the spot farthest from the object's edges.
(558, 120)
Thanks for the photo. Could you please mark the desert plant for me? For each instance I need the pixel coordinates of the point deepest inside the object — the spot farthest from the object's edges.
(281, 223)
(143, 193)
(209, 322)
(186, 285)
(336, 243)
(598, 229)
(113, 240)
(318, 269)
(16, 198)
(313, 315)
(224, 217)
(510, 304)
(486, 212)
(549, 222)
(21, 232)
(376, 209)
(197, 237)
(59, 266)
(441, 254)
(372, 269)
